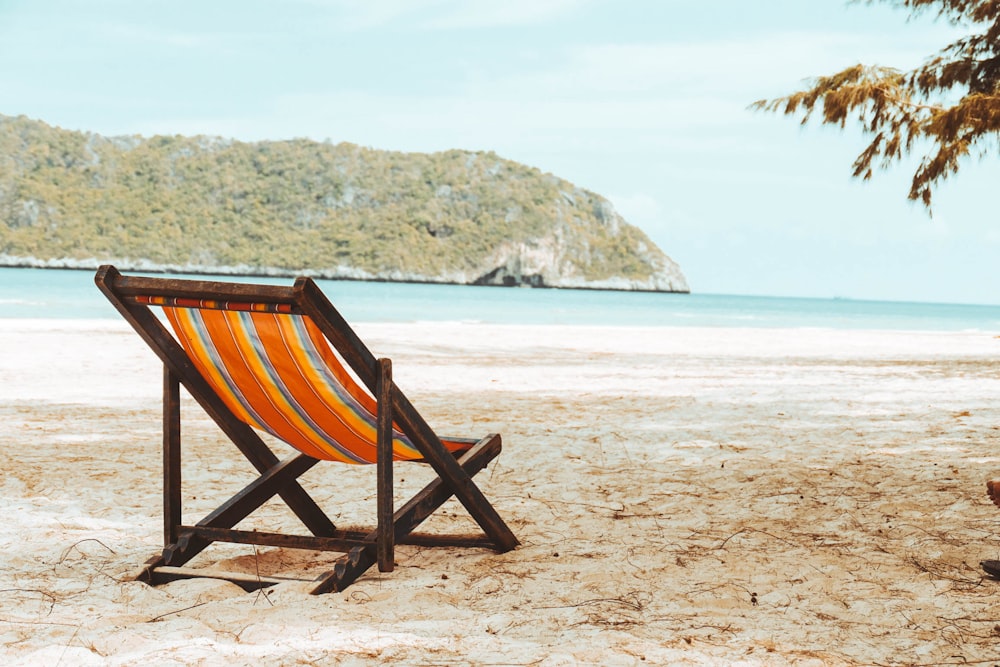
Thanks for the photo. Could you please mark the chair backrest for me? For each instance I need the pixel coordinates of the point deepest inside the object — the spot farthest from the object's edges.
(267, 359)
(276, 372)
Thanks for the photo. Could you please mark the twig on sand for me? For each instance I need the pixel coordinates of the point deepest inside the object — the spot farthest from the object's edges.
(66, 552)
(939, 573)
(18, 622)
(755, 530)
(260, 591)
(45, 594)
(66, 648)
(738, 532)
(958, 660)
(176, 611)
(548, 502)
(633, 600)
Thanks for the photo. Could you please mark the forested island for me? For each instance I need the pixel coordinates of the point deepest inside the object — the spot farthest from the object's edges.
(299, 207)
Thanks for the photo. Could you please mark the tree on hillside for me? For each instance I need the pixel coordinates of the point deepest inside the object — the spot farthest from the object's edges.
(951, 104)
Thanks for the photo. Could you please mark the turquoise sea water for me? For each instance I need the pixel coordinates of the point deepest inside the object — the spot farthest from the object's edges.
(54, 293)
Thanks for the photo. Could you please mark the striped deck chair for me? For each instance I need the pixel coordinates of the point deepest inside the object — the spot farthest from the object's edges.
(264, 358)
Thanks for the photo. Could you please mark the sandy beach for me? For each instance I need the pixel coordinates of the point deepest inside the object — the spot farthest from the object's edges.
(683, 496)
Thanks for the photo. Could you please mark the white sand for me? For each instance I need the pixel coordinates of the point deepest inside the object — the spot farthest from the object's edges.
(683, 496)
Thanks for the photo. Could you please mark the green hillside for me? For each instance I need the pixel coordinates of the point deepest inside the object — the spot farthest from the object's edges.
(204, 203)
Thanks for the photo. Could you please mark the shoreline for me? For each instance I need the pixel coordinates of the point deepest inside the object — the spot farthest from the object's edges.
(342, 273)
(92, 265)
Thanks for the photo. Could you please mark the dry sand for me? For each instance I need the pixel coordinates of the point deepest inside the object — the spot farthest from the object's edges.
(683, 496)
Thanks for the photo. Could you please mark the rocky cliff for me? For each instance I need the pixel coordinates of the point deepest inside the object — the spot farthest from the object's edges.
(205, 204)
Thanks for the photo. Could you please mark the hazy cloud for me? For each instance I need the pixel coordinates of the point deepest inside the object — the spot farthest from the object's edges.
(446, 14)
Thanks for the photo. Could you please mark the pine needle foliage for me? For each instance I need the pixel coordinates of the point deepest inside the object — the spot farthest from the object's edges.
(904, 111)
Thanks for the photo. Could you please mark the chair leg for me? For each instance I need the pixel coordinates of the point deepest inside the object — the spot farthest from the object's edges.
(240, 506)
(171, 456)
(385, 538)
(351, 566)
(444, 464)
(186, 545)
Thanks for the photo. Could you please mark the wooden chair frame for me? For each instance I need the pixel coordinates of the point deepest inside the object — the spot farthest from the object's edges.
(362, 549)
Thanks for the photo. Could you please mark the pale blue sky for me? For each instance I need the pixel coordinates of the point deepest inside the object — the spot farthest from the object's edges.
(642, 101)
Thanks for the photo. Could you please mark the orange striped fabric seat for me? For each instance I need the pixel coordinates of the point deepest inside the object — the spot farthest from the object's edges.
(277, 372)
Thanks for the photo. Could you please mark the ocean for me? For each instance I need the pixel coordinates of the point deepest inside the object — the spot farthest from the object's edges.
(69, 294)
